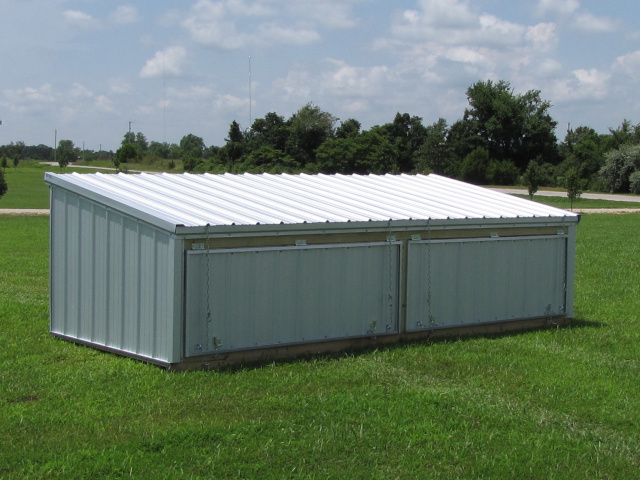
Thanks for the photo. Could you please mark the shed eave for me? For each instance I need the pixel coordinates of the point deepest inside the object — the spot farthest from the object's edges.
(370, 226)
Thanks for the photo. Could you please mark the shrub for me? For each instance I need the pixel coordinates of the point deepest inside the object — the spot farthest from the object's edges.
(502, 172)
(618, 167)
(634, 182)
(474, 166)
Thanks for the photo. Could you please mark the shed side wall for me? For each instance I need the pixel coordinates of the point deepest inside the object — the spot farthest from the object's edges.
(113, 279)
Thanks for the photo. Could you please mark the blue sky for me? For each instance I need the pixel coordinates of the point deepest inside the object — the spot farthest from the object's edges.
(86, 68)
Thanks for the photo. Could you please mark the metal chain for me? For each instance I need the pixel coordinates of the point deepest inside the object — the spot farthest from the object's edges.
(564, 269)
(429, 315)
(390, 299)
(206, 233)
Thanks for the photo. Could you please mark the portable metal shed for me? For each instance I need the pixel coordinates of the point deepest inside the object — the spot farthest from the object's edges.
(188, 270)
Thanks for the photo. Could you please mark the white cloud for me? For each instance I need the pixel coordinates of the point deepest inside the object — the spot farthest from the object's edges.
(548, 68)
(571, 12)
(331, 14)
(348, 80)
(104, 103)
(125, 14)
(42, 94)
(590, 23)
(464, 54)
(165, 62)
(119, 85)
(296, 85)
(453, 23)
(349, 88)
(274, 34)
(240, 8)
(30, 100)
(494, 31)
(627, 67)
(80, 19)
(228, 103)
(80, 91)
(193, 93)
(591, 84)
(443, 14)
(208, 24)
(216, 24)
(542, 36)
(562, 7)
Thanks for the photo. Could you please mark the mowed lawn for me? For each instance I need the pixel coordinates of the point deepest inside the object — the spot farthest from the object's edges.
(27, 188)
(547, 404)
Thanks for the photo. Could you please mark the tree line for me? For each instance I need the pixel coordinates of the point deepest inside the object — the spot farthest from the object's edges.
(503, 138)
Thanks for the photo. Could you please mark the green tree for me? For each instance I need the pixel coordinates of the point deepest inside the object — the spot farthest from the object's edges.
(127, 153)
(573, 184)
(234, 148)
(4, 188)
(348, 129)
(510, 127)
(129, 137)
(407, 134)
(191, 162)
(142, 143)
(309, 128)
(160, 150)
(435, 154)
(625, 134)
(267, 159)
(66, 153)
(4, 162)
(369, 152)
(175, 151)
(532, 177)
(474, 166)
(502, 172)
(582, 149)
(634, 182)
(191, 145)
(16, 152)
(271, 130)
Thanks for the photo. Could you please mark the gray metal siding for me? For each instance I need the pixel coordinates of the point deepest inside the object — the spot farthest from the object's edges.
(278, 296)
(461, 282)
(113, 279)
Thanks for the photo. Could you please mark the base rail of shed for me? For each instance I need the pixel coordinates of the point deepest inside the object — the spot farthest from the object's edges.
(116, 351)
(301, 350)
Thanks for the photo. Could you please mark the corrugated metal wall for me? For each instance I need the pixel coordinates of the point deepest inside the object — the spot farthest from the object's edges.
(278, 296)
(461, 282)
(114, 279)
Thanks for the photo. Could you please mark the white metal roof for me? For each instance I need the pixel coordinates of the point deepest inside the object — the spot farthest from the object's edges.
(195, 200)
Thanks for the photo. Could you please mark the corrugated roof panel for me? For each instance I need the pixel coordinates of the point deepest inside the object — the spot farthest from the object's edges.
(248, 199)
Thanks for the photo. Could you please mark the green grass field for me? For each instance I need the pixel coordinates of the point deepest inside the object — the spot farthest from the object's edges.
(548, 404)
(26, 182)
(564, 202)
(26, 185)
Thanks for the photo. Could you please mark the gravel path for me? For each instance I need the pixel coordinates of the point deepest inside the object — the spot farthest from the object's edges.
(24, 211)
(593, 196)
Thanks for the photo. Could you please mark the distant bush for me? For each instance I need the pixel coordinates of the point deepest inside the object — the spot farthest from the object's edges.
(619, 165)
